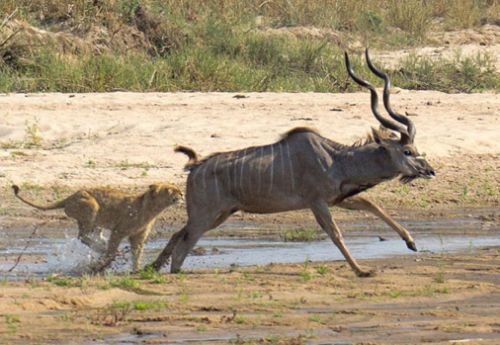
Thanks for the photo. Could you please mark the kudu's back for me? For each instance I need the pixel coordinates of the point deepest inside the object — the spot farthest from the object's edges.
(278, 177)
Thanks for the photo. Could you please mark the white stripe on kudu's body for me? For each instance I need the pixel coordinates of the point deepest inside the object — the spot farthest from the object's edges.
(216, 178)
(282, 160)
(204, 176)
(271, 172)
(235, 172)
(259, 168)
(242, 190)
(291, 172)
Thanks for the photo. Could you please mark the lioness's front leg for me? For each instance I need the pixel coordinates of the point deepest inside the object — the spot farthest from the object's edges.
(85, 211)
(104, 261)
(99, 245)
(137, 245)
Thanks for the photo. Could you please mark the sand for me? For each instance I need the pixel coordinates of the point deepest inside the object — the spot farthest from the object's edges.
(127, 138)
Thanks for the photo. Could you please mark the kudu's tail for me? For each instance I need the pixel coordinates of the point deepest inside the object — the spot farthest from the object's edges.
(56, 205)
(193, 157)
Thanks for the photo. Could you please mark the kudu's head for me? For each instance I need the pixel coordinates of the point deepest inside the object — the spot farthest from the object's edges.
(402, 151)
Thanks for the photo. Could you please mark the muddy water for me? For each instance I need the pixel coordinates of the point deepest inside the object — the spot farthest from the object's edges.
(57, 250)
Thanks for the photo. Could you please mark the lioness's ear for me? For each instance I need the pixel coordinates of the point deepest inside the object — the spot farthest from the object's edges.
(154, 189)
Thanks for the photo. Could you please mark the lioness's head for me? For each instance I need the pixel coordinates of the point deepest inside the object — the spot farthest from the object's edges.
(161, 195)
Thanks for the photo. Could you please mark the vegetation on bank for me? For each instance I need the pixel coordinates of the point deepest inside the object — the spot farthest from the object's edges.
(223, 45)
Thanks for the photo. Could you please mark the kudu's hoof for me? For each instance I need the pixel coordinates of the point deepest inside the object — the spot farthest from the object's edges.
(412, 246)
(157, 264)
(96, 270)
(366, 274)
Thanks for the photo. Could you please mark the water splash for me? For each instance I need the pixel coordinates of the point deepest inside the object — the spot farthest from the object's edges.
(71, 257)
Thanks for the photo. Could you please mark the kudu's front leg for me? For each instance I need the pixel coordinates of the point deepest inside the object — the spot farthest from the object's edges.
(325, 220)
(360, 203)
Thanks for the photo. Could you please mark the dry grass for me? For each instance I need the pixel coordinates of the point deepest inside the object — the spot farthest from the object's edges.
(50, 45)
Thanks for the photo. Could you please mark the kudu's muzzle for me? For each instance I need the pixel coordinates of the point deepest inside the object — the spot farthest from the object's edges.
(425, 170)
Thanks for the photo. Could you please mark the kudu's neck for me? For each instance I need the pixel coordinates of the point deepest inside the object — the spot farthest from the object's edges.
(365, 165)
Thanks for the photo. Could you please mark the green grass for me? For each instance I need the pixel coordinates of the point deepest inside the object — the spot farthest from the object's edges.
(300, 235)
(315, 318)
(201, 328)
(32, 137)
(240, 319)
(12, 322)
(323, 269)
(413, 17)
(140, 305)
(152, 276)
(126, 283)
(426, 291)
(458, 74)
(226, 45)
(305, 273)
(62, 281)
(439, 277)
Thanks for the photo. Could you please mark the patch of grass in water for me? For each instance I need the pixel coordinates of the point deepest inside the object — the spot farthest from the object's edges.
(300, 235)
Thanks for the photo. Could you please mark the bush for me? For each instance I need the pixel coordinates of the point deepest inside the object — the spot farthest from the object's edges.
(223, 45)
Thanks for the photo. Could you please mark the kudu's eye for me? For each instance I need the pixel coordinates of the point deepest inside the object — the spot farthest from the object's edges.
(407, 152)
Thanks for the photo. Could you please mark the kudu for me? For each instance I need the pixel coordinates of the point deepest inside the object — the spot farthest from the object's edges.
(302, 170)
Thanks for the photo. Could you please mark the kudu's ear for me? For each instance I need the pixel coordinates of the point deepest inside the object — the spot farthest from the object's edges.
(377, 136)
(387, 133)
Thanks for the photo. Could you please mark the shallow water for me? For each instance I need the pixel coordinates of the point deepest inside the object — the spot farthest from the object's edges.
(58, 251)
(246, 252)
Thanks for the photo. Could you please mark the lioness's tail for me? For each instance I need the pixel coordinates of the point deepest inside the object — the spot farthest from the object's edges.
(193, 157)
(59, 204)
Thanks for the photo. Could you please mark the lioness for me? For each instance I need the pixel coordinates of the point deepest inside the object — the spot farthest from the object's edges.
(126, 215)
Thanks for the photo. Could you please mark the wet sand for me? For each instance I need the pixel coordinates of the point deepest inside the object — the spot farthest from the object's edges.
(429, 298)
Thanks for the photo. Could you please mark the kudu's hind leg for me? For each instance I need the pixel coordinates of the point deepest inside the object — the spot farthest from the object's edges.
(184, 245)
(360, 203)
(192, 234)
(325, 220)
(184, 240)
(162, 259)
